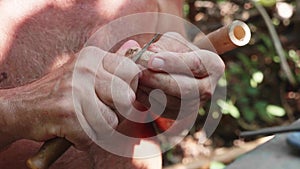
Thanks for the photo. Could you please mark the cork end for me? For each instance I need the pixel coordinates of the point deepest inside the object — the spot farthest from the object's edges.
(239, 33)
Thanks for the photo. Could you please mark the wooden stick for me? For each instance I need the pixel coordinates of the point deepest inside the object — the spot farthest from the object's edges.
(48, 153)
(270, 131)
(226, 38)
(223, 40)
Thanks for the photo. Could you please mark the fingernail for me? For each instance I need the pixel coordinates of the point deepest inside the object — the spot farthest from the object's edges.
(130, 44)
(157, 63)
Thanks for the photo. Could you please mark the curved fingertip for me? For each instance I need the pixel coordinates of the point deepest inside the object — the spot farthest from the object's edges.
(135, 82)
(128, 45)
(110, 117)
(131, 96)
(112, 120)
(156, 63)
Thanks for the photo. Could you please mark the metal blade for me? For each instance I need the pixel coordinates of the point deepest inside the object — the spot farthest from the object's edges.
(140, 53)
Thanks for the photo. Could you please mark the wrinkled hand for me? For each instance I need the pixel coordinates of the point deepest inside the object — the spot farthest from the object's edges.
(81, 89)
(186, 74)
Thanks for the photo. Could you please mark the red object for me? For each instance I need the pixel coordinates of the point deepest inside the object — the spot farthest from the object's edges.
(164, 123)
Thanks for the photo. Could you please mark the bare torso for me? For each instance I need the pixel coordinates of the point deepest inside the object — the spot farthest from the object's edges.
(37, 36)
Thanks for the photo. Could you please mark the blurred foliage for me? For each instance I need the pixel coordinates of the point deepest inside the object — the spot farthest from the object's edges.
(258, 91)
(259, 94)
(216, 165)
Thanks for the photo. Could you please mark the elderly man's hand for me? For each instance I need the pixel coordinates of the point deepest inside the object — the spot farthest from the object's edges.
(186, 74)
(82, 90)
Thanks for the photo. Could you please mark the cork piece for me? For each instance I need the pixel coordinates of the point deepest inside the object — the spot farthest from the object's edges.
(226, 38)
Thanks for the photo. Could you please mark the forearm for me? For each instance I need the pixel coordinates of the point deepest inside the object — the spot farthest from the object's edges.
(18, 104)
(15, 103)
(7, 117)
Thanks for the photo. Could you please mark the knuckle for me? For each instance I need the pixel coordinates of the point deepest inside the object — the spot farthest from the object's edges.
(219, 65)
(206, 94)
(90, 57)
(213, 63)
(85, 70)
(190, 90)
(84, 74)
(111, 119)
(65, 106)
(56, 130)
(206, 91)
(173, 34)
(197, 67)
(65, 99)
(91, 50)
(176, 37)
(126, 62)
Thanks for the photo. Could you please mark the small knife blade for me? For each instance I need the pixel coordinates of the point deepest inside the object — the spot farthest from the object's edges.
(140, 53)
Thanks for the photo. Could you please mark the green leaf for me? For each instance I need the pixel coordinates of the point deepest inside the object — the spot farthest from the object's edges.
(258, 77)
(253, 83)
(252, 91)
(201, 112)
(248, 114)
(235, 68)
(260, 106)
(244, 101)
(276, 59)
(275, 110)
(222, 82)
(245, 59)
(186, 9)
(267, 3)
(229, 108)
(262, 49)
(216, 165)
(267, 41)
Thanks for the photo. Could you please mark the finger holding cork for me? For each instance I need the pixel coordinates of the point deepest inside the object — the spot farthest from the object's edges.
(220, 41)
(225, 39)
